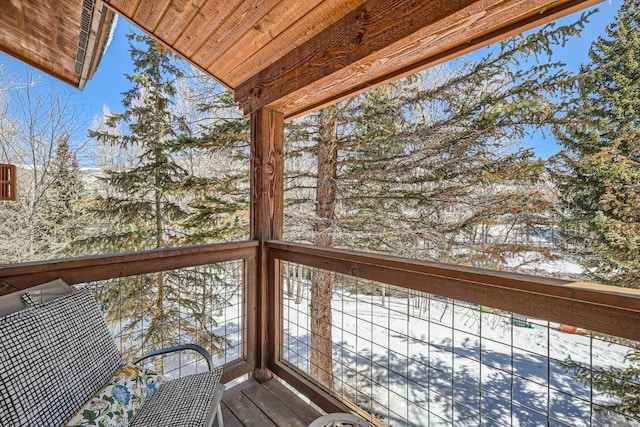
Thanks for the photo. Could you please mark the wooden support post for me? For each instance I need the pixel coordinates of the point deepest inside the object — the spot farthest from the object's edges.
(267, 205)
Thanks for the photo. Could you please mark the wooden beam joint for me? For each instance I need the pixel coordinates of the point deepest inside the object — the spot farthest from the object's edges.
(383, 40)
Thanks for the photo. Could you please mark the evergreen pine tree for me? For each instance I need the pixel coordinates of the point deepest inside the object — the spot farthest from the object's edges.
(426, 167)
(218, 151)
(144, 208)
(63, 218)
(598, 173)
(146, 197)
(414, 167)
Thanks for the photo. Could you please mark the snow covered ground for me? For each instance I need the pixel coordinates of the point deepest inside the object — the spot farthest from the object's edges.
(420, 360)
(428, 361)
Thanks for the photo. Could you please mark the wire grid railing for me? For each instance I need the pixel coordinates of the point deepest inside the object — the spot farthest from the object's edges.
(409, 358)
(202, 305)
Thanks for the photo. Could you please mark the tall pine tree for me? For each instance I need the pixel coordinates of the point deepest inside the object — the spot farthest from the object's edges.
(416, 167)
(598, 173)
(145, 205)
(63, 214)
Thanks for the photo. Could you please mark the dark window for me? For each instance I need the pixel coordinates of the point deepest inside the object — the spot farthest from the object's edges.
(7, 182)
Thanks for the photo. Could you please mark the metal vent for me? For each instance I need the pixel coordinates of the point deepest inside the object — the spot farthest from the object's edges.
(8, 182)
(85, 29)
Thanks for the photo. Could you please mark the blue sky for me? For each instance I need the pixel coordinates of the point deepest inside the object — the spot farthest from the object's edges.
(109, 82)
(573, 55)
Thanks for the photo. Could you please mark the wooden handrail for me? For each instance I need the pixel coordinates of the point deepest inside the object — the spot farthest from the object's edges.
(101, 267)
(599, 308)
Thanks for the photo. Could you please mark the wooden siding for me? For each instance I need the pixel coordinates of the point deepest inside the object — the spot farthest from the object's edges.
(47, 35)
(296, 56)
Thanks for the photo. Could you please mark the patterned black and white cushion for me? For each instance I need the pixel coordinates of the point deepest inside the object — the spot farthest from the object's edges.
(183, 402)
(29, 300)
(53, 358)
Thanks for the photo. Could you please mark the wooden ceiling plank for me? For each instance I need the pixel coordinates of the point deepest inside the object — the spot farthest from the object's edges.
(47, 63)
(271, 26)
(249, 14)
(126, 8)
(177, 19)
(41, 42)
(58, 33)
(204, 23)
(150, 12)
(365, 30)
(46, 35)
(368, 41)
(340, 86)
(309, 26)
(12, 17)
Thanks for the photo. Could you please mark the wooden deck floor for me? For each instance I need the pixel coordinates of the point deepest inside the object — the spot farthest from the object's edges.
(270, 404)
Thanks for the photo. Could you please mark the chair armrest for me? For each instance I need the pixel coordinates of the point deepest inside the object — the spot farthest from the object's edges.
(194, 347)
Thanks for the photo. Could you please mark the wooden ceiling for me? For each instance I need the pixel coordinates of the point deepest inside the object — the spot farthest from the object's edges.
(64, 38)
(295, 56)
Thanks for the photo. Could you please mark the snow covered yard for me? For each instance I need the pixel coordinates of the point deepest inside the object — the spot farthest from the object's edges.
(420, 360)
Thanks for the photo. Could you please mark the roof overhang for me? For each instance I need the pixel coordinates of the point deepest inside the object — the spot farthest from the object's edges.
(64, 38)
(297, 56)
(293, 56)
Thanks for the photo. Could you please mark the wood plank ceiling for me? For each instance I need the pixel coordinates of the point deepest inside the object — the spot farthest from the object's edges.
(293, 56)
(64, 38)
(296, 56)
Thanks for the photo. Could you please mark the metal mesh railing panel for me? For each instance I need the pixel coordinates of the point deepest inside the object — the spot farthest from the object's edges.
(202, 304)
(410, 358)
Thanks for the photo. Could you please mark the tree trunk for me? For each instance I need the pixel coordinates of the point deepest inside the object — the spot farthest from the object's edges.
(288, 280)
(299, 275)
(159, 363)
(321, 288)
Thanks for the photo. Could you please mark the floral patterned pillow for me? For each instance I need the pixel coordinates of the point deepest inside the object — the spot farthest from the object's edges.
(117, 402)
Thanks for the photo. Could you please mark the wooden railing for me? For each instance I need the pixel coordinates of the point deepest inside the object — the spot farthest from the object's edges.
(103, 267)
(605, 309)
(594, 308)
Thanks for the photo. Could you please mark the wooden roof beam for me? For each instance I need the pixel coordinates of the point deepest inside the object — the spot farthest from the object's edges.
(383, 40)
(98, 37)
